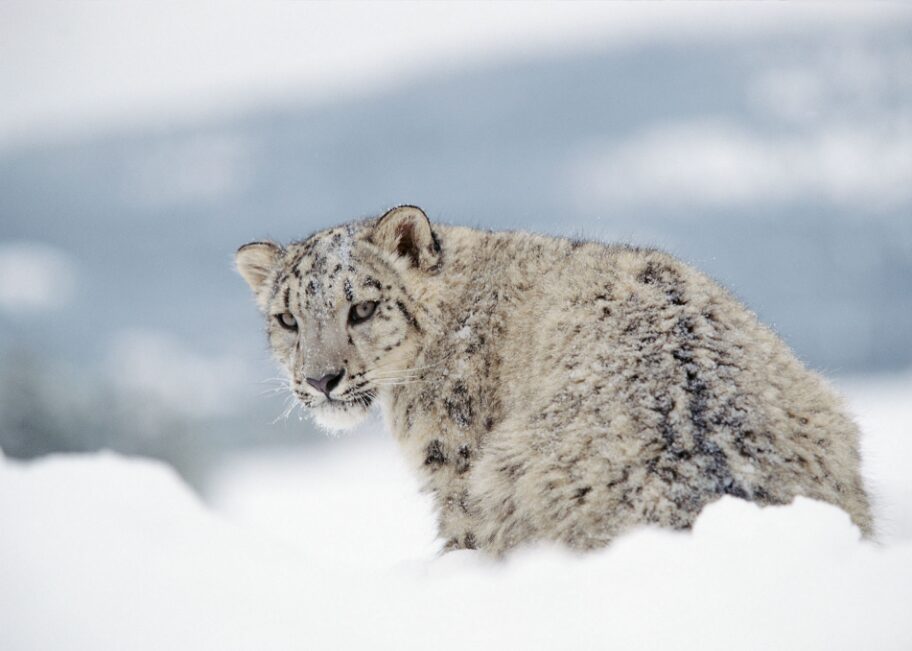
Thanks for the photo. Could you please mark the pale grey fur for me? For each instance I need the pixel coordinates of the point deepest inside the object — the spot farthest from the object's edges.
(549, 389)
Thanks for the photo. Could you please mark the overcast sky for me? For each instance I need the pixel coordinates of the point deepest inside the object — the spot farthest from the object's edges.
(71, 67)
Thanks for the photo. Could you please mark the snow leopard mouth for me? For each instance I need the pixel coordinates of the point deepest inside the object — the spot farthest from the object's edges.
(364, 400)
(358, 401)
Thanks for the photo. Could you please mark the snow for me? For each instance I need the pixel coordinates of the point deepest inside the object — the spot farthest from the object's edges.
(34, 277)
(332, 547)
(157, 368)
(206, 59)
(719, 164)
(853, 147)
(883, 407)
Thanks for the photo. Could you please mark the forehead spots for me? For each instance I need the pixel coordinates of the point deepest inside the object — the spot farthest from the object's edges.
(321, 265)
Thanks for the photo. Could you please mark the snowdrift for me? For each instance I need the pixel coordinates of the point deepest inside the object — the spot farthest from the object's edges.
(334, 548)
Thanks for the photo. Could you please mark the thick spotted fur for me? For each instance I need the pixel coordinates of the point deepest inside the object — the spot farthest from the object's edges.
(551, 389)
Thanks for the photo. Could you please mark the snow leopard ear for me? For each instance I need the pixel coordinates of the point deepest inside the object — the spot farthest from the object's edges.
(255, 261)
(406, 231)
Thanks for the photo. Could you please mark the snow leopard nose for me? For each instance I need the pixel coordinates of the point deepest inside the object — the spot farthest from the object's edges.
(327, 383)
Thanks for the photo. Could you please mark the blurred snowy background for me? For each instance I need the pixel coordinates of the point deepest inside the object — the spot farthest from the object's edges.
(140, 144)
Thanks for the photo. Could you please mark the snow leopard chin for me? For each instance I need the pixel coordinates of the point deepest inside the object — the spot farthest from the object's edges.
(338, 417)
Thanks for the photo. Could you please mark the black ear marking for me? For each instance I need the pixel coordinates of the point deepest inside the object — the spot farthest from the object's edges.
(406, 245)
(406, 232)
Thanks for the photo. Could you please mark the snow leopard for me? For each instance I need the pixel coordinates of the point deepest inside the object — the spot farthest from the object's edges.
(548, 389)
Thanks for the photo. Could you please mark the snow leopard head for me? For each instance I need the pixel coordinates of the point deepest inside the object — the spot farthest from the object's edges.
(343, 308)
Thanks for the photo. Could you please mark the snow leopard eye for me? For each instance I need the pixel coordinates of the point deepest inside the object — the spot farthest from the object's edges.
(287, 321)
(361, 312)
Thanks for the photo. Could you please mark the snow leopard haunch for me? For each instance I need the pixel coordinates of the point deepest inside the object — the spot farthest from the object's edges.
(550, 389)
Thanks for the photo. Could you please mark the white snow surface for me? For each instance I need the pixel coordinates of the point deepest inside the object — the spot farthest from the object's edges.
(333, 548)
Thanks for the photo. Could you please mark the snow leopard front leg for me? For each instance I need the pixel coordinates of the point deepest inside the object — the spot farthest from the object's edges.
(449, 469)
(444, 453)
